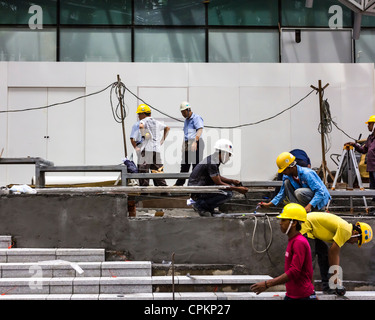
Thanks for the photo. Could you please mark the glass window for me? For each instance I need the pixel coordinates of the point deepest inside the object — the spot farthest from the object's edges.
(169, 45)
(17, 12)
(244, 46)
(27, 45)
(243, 13)
(104, 12)
(368, 21)
(164, 12)
(295, 14)
(321, 46)
(95, 45)
(365, 47)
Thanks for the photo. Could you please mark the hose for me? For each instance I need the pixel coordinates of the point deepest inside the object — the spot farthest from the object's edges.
(253, 237)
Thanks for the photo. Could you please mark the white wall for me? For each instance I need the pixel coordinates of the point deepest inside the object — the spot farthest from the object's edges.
(227, 94)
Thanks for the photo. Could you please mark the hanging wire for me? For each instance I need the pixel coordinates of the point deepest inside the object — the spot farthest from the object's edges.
(58, 103)
(118, 89)
(325, 126)
(224, 127)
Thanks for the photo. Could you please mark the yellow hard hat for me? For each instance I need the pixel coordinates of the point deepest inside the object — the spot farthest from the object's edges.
(293, 211)
(366, 233)
(371, 119)
(143, 108)
(284, 160)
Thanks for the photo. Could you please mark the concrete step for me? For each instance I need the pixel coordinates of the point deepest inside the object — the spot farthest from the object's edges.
(5, 242)
(45, 254)
(117, 285)
(222, 296)
(61, 268)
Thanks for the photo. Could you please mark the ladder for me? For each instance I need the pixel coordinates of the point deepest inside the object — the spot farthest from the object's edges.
(348, 153)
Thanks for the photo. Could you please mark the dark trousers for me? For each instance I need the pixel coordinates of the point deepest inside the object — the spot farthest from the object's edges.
(209, 201)
(320, 249)
(372, 181)
(150, 160)
(190, 158)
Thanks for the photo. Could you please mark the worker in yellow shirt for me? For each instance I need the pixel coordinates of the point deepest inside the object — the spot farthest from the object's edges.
(327, 227)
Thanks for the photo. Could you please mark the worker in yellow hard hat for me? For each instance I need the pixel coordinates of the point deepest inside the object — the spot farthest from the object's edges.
(153, 134)
(369, 148)
(298, 275)
(300, 185)
(333, 229)
(135, 134)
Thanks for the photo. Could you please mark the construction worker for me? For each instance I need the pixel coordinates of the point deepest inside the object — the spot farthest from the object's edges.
(300, 185)
(331, 228)
(298, 275)
(369, 148)
(192, 146)
(153, 134)
(302, 159)
(135, 136)
(207, 173)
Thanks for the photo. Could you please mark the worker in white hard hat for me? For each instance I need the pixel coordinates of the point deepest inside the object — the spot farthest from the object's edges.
(368, 148)
(330, 228)
(193, 145)
(298, 270)
(207, 173)
(300, 185)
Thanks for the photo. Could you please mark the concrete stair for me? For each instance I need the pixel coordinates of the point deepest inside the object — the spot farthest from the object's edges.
(83, 274)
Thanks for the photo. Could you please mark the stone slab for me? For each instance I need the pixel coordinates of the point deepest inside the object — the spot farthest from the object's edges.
(80, 255)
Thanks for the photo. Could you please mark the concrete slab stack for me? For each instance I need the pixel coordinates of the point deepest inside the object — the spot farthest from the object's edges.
(83, 274)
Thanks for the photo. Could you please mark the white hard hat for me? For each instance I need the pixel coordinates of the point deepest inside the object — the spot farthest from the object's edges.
(184, 105)
(224, 145)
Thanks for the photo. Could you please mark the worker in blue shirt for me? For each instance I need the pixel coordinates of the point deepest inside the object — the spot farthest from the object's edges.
(300, 185)
(192, 147)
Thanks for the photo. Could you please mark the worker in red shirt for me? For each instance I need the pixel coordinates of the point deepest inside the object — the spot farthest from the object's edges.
(298, 275)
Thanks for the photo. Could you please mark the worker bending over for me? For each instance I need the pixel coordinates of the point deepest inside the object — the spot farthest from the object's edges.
(298, 275)
(207, 173)
(300, 185)
(331, 228)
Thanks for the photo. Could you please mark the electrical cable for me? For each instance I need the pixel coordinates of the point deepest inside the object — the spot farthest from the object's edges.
(325, 126)
(58, 103)
(119, 89)
(221, 127)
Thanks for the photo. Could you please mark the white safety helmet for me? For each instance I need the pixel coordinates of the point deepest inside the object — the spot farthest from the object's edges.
(184, 105)
(226, 146)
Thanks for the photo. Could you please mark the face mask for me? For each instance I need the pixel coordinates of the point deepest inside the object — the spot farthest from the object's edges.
(290, 225)
(224, 157)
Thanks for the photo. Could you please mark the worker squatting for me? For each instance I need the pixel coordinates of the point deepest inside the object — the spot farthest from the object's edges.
(303, 220)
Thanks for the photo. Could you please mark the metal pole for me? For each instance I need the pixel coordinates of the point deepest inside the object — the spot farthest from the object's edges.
(322, 133)
(320, 90)
(173, 274)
